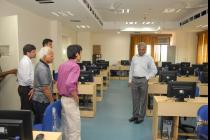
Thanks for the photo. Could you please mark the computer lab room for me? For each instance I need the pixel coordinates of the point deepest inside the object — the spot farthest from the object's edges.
(103, 69)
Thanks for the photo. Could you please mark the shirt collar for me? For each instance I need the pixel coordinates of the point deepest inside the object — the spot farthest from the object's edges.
(44, 63)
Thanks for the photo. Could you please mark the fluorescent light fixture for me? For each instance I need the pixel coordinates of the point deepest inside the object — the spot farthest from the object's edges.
(83, 26)
(70, 13)
(135, 22)
(131, 23)
(123, 11)
(55, 14)
(62, 13)
(148, 23)
(88, 26)
(152, 23)
(78, 26)
(144, 29)
(143, 22)
(126, 22)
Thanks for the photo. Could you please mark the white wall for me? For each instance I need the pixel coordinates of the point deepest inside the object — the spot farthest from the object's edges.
(114, 47)
(186, 44)
(9, 98)
(84, 39)
(30, 28)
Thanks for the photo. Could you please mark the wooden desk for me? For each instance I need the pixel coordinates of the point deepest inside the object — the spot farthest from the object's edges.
(203, 89)
(164, 106)
(188, 79)
(48, 135)
(182, 78)
(98, 80)
(88, 89)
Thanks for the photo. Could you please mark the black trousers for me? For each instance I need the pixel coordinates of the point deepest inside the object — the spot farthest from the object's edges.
(26, 104)
(39, 109)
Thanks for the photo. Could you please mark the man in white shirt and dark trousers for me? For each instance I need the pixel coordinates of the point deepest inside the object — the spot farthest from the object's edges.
(25, 77)
(141, 70)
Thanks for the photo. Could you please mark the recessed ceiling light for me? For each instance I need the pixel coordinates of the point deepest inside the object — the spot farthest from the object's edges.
(128, 10)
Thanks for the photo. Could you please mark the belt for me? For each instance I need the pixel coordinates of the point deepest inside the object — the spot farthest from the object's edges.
(135, 77)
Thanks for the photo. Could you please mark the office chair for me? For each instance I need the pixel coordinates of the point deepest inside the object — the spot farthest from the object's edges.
(202, 123)
(186, 127)
(47, 121)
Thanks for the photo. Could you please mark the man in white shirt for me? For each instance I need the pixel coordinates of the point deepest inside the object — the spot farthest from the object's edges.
(141, 70)
(25, 76)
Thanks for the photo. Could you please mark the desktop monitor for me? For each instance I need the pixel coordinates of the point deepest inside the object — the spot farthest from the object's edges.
(187, 71)
(185, 64)
(125, 62)
(95, 70)
(13, 119)
(181, 90)
(174, 67)
(86, 76)
(102, 65)
(167, 76)
(86, 63)
(82, 66)
(166, 64)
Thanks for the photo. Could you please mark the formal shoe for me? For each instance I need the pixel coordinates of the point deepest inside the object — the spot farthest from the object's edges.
(132, 119)
(138, 121)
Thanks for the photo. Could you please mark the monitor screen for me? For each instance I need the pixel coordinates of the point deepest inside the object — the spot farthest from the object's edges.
(86, 63)
(167, 76)
(174, 67)
(125, 62)
(82, 66)
(11, 129)
(86, 76)
(102, 65)
(185, 64)
(187, 71)
(198, 66)
(166, 64)
(181, 90)
(20, 115)
(95, 70)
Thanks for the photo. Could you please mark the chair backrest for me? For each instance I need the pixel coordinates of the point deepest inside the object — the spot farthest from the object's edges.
(47, 121)
(202, 120)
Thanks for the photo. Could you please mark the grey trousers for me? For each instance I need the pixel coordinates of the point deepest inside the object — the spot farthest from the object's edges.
(139, 89)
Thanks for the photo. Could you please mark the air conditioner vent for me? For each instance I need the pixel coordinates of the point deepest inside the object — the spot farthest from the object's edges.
(75, 20)
(196, 16)
(45, 1)
(91, 10)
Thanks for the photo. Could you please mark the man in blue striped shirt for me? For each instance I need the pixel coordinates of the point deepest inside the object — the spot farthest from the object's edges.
(141, 70)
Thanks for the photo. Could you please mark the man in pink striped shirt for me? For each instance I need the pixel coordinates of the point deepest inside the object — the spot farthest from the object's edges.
(67, 84)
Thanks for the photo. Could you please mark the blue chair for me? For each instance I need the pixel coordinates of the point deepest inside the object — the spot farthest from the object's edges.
(202, 123)
(47, 121)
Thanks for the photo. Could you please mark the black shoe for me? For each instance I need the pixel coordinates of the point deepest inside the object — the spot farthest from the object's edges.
(132, 119)
(138, 121)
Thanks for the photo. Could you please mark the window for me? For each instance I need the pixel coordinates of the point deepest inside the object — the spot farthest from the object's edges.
(148, 50)
(161, 52)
